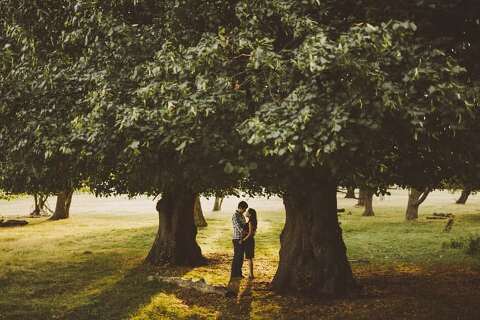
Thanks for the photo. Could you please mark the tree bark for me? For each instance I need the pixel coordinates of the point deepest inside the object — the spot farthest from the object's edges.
(42, 203)
(368, 198)
(200, 221)
(36, 210)
(313, 257)
(361, 197)
(217, 206)
(350, 193)
(62, 208)
(415, 199)
(175, 242)
(464, 196)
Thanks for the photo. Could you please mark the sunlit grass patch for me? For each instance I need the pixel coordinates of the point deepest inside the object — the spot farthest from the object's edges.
(168, 306)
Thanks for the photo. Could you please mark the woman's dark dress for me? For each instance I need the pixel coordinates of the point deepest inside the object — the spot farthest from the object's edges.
(249, 244)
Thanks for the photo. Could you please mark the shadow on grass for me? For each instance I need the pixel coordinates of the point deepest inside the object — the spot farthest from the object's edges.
(127, 295)
(134, 294)
(91, 279)
(239, 305)
(44, 290)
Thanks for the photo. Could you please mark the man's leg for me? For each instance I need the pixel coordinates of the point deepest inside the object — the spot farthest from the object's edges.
(241, 256)
(237, 259)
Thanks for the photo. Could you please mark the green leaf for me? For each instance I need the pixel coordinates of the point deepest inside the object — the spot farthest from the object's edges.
(229, 168)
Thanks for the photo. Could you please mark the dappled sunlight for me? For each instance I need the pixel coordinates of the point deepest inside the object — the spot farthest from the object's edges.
(91, 267)
(163, 306)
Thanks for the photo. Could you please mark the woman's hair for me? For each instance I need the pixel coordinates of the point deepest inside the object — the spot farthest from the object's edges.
(253, 217)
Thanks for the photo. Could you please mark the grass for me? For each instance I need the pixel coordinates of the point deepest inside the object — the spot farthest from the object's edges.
(91, 267)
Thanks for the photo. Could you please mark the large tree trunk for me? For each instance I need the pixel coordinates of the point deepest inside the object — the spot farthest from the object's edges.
(198, 213)
(464, 196)
(361, 197)
(350, 193)
(217, 206)
(62, 208)
(175, 242)
(415, 199)
(313, 255)
(368, 211)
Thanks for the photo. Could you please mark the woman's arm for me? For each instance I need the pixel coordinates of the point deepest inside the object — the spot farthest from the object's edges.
(250, 231)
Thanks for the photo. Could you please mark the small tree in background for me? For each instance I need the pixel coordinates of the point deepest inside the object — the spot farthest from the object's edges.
(217, 206)
(42, 92)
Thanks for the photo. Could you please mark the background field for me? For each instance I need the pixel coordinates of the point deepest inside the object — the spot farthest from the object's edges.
(91, 265)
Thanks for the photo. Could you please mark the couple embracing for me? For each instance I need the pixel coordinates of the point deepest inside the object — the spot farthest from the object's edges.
(244, 228)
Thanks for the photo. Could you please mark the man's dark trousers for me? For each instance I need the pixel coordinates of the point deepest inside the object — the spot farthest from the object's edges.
(237, 263)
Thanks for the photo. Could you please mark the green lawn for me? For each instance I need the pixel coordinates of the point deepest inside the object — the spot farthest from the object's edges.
(91, 267)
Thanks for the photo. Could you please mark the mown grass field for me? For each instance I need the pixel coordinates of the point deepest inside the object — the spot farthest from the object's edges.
(91, 266)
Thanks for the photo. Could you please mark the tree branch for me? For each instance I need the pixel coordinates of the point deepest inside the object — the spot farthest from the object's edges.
(423, 196)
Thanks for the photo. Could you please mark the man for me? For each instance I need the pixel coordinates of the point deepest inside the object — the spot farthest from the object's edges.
(238, 221)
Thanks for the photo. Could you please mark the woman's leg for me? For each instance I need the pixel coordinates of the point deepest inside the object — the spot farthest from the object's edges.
(250, 268)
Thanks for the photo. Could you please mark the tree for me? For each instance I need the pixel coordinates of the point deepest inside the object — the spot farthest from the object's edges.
(361, 197)
(463, 196)
(350, 193)
(178, 247)
(350, 104)
(40, 204)
(40, 97)
(155, 123)
(62, 208)
(368, 212)
(415, 199)
(217, 206)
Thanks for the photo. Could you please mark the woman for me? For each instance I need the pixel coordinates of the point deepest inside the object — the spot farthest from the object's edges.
(249, 239)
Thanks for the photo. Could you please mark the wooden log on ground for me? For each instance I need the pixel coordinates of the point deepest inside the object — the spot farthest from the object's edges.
(12, 223)
(440, 214)
(199, 285)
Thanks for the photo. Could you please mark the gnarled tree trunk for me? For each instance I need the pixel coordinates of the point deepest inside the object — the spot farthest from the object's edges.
(62, 208)
(361, 197)
(198, 213)
(368, 211)
(313, 255)
(415, 199)
(175, 242)
(350, 193)
(217, 206)
(464, 196)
